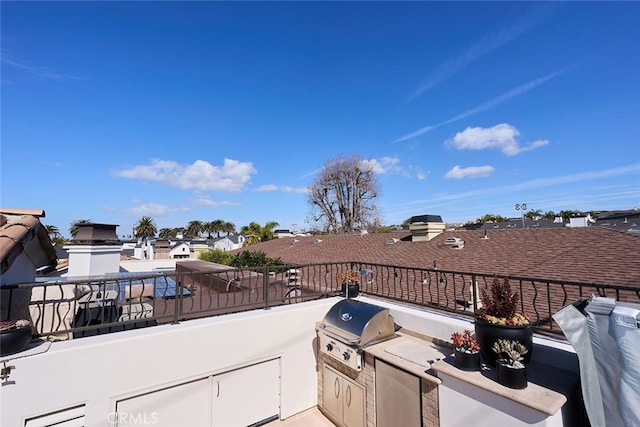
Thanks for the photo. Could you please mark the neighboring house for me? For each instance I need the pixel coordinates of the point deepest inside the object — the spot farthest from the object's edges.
(197, 247)
(229, 243)
(628, 220)
(588, 254)
(519, 223)
(278, 234)
(180, 250)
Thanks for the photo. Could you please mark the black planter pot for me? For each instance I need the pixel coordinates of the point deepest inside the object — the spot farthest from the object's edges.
(512, 377)
(15, 340)
(487, 334)
(467, 361)
(354, 290)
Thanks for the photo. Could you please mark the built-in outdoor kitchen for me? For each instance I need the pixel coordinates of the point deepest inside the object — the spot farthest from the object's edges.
(374, 371)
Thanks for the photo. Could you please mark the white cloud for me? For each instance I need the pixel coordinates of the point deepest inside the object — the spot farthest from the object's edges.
(284, 188)
(205, 201)
(267, 187)
(300, 190)
(232, 176)
(420, 174)
(153, 209)
(391, 165)
(384, 165)
(471, 172)
(502, 137)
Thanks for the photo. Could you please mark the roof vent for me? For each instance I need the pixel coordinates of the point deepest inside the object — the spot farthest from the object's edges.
(318, 241)
(294, 241)
(455, 242)
(391, 241)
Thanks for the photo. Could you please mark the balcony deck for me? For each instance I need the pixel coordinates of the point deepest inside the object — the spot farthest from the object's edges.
(218, 329)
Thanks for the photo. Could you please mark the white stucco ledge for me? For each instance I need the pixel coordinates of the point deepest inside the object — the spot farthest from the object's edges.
(535, 396)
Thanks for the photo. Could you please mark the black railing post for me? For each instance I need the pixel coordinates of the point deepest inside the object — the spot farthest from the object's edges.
(178, 305)
(265, 286)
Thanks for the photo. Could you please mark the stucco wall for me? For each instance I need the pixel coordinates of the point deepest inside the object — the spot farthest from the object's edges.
(99, 370)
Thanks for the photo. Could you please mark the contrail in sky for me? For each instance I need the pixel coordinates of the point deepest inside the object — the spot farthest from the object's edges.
(478, 50)
(487, 105)
(481, 48)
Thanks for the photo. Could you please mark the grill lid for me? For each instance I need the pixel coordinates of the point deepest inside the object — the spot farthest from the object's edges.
(358, 323)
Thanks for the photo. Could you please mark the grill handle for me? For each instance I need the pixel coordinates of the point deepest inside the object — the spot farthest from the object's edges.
(351, 341)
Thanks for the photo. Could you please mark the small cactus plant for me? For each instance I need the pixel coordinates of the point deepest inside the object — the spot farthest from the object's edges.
(510, 352)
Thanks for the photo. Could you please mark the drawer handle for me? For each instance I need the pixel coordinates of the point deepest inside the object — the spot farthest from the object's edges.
(336, 387)
(348, 395)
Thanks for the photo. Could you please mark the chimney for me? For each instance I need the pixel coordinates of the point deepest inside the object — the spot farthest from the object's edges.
(94, 251)
(425, 227)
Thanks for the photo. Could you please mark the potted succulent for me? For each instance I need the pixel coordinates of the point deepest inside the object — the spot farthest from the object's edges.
(512, 372)
(15, 335)
(349, 283)
(466, 350)
(499, 318)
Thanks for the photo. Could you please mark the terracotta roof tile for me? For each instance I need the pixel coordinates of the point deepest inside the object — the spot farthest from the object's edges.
(16, 235)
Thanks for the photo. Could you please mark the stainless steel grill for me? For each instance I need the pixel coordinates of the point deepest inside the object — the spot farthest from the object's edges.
(351, 325)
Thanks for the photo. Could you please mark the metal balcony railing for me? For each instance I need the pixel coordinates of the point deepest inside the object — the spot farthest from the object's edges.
(90, 306)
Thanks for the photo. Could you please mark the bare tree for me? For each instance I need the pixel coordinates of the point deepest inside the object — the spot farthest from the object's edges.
(342, 196)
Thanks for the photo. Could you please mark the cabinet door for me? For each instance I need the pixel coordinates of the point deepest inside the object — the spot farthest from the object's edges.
(247, 396)
(332, 391)
(398, 397)
(180, 405)
(353, 404)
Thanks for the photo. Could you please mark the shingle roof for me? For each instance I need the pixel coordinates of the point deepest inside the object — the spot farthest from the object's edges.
(590, 255)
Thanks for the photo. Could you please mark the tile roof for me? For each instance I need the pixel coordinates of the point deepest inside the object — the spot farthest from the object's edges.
(589, 255)
(19, 229)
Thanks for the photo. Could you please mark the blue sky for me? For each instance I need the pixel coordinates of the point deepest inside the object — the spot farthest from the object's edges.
(226, 110)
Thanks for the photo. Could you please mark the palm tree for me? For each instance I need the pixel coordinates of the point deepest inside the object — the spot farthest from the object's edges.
(75, 226)
(567, 215)
(194, 229)
(167, 233)
(229, 228)
(533, 214)
(256, 233)
(145, 228)
(490, 218)
(214, 227)
(52, 231)
(54, 235)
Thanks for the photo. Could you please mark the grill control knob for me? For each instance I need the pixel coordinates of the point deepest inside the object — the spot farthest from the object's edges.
(329, 347)
(346, 355)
